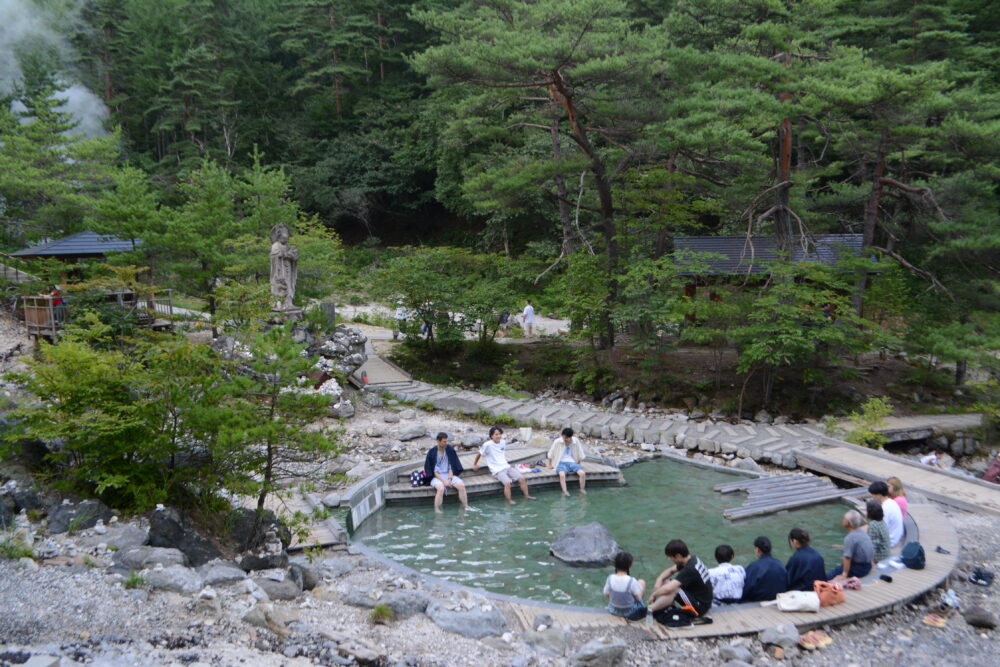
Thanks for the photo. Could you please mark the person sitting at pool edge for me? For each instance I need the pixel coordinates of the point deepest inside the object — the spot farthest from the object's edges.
(494, 450)
(566, 456)
(727, 579)
(878, 532)
(806, 564)
(898, 493)
(623, 591)
(890, 508)
(766, 576)
(442, 468)
(690, 585)
(858, 550)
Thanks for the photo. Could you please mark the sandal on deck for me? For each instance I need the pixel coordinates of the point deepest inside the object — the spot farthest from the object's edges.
(935, 620)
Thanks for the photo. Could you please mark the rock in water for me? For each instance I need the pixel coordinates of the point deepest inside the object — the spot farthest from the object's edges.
(589, 545)
(601, 652)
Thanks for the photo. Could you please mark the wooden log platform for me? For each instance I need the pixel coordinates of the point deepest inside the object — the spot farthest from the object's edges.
(875, 597)
(766, 495)
(480, 482)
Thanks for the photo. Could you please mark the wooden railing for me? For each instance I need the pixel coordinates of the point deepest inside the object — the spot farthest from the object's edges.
(44, 317)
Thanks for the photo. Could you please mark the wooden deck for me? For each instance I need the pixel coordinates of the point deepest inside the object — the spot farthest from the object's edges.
(481, 482)
(862, 466)
(876, 597)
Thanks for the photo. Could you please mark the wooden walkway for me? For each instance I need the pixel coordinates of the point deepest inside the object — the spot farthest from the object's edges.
(875, 597)
(862, 466)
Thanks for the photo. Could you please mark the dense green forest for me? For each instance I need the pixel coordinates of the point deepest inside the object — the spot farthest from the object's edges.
(545, 148)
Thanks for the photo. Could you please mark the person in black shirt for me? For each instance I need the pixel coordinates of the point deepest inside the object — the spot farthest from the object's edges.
(766, 576)
(806, 564)
(690, 588)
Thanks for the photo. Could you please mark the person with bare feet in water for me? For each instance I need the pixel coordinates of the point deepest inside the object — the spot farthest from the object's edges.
(442, 468)
(494, 450)
(566, 456)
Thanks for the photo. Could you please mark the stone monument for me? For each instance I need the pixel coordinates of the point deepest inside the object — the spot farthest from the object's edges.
(284, 268)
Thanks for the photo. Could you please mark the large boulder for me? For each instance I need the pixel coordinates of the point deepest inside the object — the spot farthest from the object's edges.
(218, 574)
(412, 432)
(69, 516)
(283, 589)
(589, 545)
(263, 560)
(176, 578)
(170, 528)
(784, 635)
(247, 532)
(140, 558)
(480, 621)
(600, 652)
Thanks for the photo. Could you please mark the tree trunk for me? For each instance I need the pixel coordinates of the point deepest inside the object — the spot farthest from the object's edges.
(561, 95)
(960, 369)
(871, 216)
(783, 218)
(565, 217)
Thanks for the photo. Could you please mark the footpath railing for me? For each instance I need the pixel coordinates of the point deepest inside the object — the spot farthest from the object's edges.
(45, 314)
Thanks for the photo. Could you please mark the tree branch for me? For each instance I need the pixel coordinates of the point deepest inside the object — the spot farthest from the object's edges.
(924, 192)
(552, 266)
(915, 270)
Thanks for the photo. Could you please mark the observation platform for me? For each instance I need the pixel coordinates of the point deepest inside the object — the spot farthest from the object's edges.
(482, 482)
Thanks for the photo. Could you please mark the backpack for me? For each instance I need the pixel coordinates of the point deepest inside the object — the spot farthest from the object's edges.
(417, 478)
(913, 556)
(674, 617)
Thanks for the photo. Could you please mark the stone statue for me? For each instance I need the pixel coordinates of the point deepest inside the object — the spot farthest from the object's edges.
(284, 267)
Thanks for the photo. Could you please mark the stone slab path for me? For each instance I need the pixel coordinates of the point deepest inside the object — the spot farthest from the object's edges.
(918, 427)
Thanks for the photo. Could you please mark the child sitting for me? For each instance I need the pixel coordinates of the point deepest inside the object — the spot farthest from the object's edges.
(878, 531)
(727, 579)
(624, 592)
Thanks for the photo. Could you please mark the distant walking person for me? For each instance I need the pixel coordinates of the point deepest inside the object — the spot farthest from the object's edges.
(401, 315)
(504, 323)
(58, 304)
(566, 456)
(528, 318)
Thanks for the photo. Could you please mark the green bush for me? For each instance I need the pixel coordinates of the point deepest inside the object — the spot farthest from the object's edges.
(872, 415)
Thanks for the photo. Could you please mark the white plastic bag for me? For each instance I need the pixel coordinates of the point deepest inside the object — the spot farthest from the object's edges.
(798, 601)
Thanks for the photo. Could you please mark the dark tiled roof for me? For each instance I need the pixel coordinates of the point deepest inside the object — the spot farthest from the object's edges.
(84, 244)
(740, 255)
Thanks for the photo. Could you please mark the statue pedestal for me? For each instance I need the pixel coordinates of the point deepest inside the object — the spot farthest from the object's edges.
(286, 315)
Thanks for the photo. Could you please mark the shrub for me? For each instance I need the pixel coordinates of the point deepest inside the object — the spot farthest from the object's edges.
(381, 614)
(12, 550)
(872, 415)
(134, 580)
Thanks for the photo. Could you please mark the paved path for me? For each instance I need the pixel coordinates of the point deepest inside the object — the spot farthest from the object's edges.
(898, 429)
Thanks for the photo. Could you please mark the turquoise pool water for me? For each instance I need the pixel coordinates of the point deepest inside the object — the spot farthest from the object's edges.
(505, 549)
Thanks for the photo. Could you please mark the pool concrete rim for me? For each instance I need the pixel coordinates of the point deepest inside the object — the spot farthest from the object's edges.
(372, 552)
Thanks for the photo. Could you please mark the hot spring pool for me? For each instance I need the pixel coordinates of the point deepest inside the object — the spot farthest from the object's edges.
(506, 549)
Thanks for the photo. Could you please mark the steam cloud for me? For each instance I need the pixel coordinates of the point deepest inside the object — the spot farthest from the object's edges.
(24, 24)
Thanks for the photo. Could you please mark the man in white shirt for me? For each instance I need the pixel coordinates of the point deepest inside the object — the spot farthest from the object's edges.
(566, 456)
(494, 451)
(890, 508)
(528, 318)
(727, 579)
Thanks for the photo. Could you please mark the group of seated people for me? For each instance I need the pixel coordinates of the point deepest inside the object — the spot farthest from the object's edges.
(691, 587)
(865, 545)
